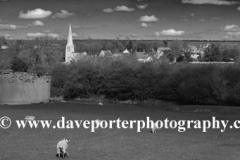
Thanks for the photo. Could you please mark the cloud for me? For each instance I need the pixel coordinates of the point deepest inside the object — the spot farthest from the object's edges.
(144, 25)
(170, 32)
(35, 14)
(134, 35)
(215, 2)
(232, 27)
(38, 23)
(192, 14)
(39, 34)
(87, 27)
(54, 35)
(148, 19)
(232, 35)
(10, 27)
(124, 8)
(119, 8)
(108, 10)
(143, 6)
(33, 35)
(7, 36)
(202, 20)
(63, 14)
(216, 18)
(75, 34)
(238, 8)
(232, 31)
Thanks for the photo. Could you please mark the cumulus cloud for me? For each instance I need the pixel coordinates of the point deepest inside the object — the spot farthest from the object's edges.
(119, 8)
(192, 14)
(232, 27)
(8, 36)
(10, 27)
(144, 25)
(38, 23)
(33, 35)
(148, 19)
(108, 10)
(143, 6)
(74, 34)
(63, 14)
(232, 31)
(215, 2)
(232, 35)
(35, 14)
(202, 20)
(124, 8)
(40, 34)
(170, 32)
(54, 35)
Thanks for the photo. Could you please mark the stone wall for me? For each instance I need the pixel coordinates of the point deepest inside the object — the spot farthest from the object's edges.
(23, 88)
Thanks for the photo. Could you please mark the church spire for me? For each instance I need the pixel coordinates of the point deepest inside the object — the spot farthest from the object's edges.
(70, 39)
(69, 47)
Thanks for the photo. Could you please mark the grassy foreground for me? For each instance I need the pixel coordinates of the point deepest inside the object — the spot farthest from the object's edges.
(113, 144)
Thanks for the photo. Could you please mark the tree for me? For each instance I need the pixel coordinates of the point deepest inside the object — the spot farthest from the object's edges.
(212, 54)
(176, 48)
(165, 43)
(129, 45)
(19, 65)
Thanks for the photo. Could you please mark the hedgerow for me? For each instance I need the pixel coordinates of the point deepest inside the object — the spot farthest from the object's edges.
(124, 78)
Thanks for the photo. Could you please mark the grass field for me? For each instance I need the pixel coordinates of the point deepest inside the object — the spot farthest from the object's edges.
(113, 144)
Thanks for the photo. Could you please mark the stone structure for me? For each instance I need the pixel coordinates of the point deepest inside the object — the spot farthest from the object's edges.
(23, 88)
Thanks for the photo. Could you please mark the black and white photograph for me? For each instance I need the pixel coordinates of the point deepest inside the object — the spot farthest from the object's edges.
(120, 79)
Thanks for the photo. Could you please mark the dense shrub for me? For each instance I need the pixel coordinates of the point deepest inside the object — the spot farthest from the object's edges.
(124, 78)
(19, 65)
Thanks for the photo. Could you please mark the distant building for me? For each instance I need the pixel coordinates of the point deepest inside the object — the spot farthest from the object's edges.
(126, 51)
(4, 46)
(105, 53)
(162, 49)
(192, 49)
(70, 53)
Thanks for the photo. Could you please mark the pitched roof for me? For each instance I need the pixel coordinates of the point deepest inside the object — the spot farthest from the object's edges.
(126, 51)
(105, 53)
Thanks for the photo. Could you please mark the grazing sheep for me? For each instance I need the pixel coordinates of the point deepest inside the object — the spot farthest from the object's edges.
(29, 118)
(154, 128)
(62, 147)
(100, 103)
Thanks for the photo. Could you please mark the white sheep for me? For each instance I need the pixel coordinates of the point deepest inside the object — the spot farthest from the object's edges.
(62, 147)
(29, 118)
(154, 128)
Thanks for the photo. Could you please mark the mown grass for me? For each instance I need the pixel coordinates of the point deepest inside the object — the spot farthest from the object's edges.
(113, 144)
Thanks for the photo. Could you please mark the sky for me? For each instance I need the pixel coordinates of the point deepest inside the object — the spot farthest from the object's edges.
(121, 19)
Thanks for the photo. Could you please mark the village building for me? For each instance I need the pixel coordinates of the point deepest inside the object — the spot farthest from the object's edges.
(4, 46)
(126, 51)
(70, 54)
(162, 49)
(105, 53)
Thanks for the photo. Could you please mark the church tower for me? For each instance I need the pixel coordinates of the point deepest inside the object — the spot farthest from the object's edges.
(69, 47)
